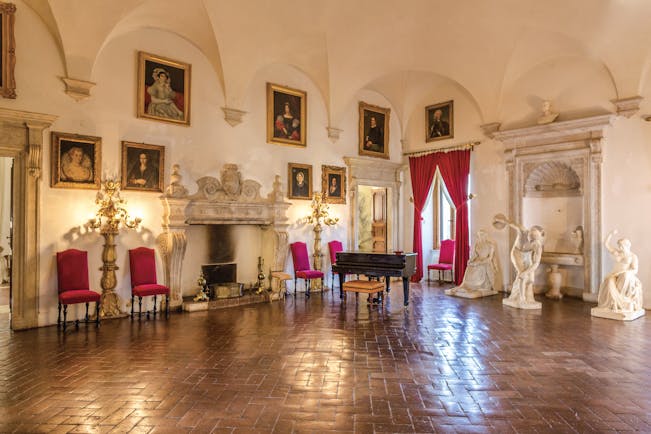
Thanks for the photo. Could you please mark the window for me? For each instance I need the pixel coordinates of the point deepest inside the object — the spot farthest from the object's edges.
(445, 213)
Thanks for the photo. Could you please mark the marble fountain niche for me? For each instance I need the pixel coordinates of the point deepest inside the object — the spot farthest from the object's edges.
(554, 173)
(553, 199)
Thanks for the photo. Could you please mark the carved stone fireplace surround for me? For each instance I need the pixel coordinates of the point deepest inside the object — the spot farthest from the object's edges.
(230, 200)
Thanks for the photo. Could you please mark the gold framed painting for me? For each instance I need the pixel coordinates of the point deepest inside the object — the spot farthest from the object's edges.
(333, 184)
(286, 115)
(143, 166)
(163, 89)
(373, 130)
(76, 161)
(8, 50)
(439, 121)
(299, 181)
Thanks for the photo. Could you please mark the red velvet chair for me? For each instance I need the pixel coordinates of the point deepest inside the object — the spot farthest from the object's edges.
(72, 280)
(302, 269)
(446, 260)
(334, 247)
(142, 262)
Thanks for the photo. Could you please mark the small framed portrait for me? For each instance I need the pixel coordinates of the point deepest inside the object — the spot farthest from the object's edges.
(8, 50)
(299, 181)
(333, 184)
(76, 161)
(439, 121)
(286, 115)
(142, 166)
(163, 89)
(373, 130)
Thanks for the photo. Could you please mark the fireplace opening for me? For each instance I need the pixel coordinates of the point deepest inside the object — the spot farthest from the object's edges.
(221, 280)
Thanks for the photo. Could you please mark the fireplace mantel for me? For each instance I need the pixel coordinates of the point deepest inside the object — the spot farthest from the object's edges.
(230, 200)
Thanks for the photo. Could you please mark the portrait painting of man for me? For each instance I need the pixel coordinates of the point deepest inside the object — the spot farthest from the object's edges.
(373, 130)
(299, 181)
(286, 115)
(163, 89)
(76, 161)
(333, 184)
(439, 119)
(142, 166)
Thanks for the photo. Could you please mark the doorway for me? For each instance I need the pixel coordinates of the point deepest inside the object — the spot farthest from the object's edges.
(372, 219)
(6, 225)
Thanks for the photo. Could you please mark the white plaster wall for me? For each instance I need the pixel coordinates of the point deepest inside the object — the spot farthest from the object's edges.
(5, 208)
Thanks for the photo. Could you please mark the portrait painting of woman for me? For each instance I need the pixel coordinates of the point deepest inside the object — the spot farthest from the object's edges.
(286, 115)
(163, 89)
(76, 161)
(142, 166)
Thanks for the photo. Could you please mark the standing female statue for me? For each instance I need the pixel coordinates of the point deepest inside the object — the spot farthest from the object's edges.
(620, 293)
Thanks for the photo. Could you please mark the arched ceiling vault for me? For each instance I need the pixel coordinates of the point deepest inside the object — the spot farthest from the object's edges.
(346, 46)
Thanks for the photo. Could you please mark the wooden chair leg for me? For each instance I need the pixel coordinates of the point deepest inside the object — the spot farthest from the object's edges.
(97, 314)
(154, 307)
(132, 300)
(295, 287)
(167, 306)
(59, 316)
(139, 307)
(87, 317)
(65, 316)
(307, 288)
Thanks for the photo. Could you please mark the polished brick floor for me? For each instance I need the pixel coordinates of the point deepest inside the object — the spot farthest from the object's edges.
(315, 366)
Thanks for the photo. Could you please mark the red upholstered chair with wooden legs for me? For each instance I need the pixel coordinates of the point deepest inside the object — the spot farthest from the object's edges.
(446, 260)
(302, 269)
(142, 262)
(334, 247)
(72, 279)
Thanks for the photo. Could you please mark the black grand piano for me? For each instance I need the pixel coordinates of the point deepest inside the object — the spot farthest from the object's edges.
(376, 265)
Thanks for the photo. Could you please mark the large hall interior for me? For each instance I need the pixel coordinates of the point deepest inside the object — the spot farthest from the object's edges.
(344, 216)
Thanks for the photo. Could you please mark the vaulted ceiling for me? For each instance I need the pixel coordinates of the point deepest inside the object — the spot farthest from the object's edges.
(397, 48)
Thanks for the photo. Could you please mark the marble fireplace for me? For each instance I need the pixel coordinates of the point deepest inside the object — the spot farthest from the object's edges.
(230, 201)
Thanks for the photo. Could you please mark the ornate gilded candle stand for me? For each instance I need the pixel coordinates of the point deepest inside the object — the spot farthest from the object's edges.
(320, 214)
(109, 216)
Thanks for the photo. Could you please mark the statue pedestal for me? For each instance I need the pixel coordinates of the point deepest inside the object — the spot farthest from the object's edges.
(601, 312)
(469, 293)
(522, 305)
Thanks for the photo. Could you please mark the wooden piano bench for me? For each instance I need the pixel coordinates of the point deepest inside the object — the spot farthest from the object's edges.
(366, 287)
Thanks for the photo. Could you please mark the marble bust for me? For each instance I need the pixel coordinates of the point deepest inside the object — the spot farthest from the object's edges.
(482, 277)
(620, 293)
(547, 115)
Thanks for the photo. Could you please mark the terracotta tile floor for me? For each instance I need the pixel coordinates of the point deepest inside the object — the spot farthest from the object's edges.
(315, 366)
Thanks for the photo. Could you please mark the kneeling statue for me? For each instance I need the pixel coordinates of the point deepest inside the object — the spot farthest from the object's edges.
(620, 293)
(482, 277)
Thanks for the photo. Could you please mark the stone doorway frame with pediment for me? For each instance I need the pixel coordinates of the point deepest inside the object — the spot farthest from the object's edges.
(21, 138)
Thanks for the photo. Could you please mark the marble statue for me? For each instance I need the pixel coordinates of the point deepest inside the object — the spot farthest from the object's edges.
(482, 277)
(620, 293)
(547, 115)
(526, 254)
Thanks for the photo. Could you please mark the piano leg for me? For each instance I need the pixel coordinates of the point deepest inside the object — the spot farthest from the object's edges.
(341, 285)
(387, 280)
(405, 288)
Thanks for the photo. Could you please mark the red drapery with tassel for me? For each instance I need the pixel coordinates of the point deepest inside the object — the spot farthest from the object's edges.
(455, 170)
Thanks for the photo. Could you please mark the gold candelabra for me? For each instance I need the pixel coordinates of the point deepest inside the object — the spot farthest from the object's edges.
(320, 214)
(110, 214)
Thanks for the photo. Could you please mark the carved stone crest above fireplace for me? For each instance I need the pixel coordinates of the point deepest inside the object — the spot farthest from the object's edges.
(229, 200)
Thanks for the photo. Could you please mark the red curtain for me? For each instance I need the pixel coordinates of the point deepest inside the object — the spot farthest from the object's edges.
(455, 169)
(422, 171)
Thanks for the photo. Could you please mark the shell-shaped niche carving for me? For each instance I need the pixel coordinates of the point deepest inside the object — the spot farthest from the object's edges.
(209, 187)
(553, 179)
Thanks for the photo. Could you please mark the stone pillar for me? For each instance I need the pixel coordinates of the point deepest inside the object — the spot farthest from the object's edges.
(172, 243)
